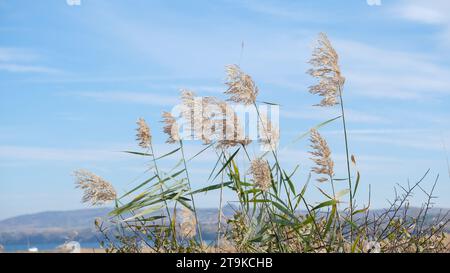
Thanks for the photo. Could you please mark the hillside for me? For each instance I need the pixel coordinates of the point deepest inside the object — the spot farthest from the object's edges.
(59, 226)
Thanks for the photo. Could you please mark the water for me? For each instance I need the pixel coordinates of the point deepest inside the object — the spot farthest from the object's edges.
(46, 246)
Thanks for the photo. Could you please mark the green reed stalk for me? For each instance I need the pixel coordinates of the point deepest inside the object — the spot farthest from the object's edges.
(159, 178)
(190, 191)
(268, 208)
(347, 157)
(220, 210)
(284, 183)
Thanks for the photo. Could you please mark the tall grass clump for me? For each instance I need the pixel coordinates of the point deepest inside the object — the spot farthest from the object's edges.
(270, 211)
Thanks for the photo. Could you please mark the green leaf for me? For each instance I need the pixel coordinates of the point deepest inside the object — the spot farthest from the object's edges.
(358, 177)
(200, 152)
(330, 219)
(226, 163)
(169, 153)
(138, 187)
(146, 211)
(315, 127)
(186, 205)
(360, 210)
(212, 187)
(355, 243)
(283, 208)
(215, 165)
(324, 193)
(302, 193)
(325, 204)
(137, 153)
(291, 185)
(269, 103)
(308, 220)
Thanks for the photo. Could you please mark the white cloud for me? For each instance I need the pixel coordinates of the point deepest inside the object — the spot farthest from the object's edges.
(433, 12)
(384, 73)
(429, 12)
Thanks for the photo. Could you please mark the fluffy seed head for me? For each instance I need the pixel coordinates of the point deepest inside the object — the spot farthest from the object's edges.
(144, 135)
(170, 127)
(321, 156)
(210, 119)
(325, 67)
(241, 86)
(260, 171)
(192, 114)
(97, 191)
(188, 224)
(231, 130)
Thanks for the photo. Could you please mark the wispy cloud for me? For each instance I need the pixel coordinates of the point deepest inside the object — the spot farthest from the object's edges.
(310, 113)
(432, 12)
(19, 68)
(33, 153)
(421, 139)
(148, 98)
(17, 60)
(8, 54)
(385, 73)
(290, 11)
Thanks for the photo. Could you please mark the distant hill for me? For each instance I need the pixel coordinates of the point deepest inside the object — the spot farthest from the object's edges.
(73, 219)
(51, 227)
(59, 226)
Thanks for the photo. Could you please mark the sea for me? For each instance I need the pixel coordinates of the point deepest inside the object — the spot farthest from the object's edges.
(45, 246)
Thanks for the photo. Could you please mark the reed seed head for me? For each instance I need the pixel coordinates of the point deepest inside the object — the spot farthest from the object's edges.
(210, 119)
(241, 86)
(188, 223)
(325, 67)
(231, 130)
(321, 156)
(170, 128)
(261, 173)
(97, 191)
(144, 135)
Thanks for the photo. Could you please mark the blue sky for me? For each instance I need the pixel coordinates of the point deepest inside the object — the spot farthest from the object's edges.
(74, 79)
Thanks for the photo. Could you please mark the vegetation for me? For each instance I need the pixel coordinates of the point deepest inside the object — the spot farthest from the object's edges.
(271, 212)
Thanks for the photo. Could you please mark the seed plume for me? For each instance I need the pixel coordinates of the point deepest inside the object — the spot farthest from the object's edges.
(325, 63)
(241, 86)
(188, 224)
(192, 114)
(260, 171)
(231, 130)
(97, 191)
(170, 127)
(144, 135)
(321, 156)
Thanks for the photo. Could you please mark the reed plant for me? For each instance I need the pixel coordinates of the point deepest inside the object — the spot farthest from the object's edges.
(270, 210)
